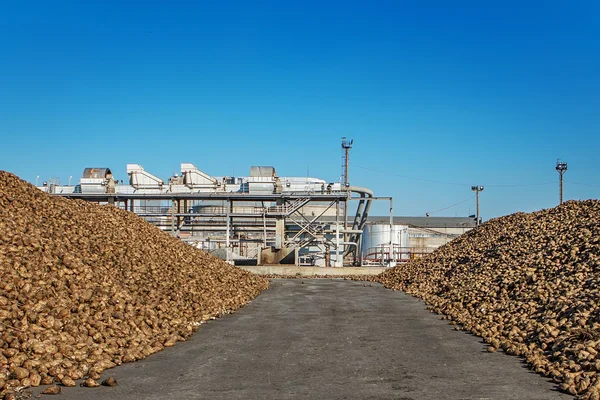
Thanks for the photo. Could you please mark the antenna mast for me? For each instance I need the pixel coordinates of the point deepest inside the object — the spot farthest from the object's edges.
(346, 146)
(561, 168)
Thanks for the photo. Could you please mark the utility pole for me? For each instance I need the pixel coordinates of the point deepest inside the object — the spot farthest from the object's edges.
(477, 189)
(561, 168)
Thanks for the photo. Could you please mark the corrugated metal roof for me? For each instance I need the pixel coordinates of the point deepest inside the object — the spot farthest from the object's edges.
(424, 222)
(427, 222)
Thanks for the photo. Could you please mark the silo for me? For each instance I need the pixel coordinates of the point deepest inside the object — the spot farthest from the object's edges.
(376, 238)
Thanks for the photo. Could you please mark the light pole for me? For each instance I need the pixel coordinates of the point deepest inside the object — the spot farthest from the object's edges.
(561, 168)
(70, 180)
(477, 189)
(36, 180)
(346, 146)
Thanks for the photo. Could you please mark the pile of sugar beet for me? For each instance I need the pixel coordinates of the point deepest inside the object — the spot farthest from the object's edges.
(528, 284)
(85, 287)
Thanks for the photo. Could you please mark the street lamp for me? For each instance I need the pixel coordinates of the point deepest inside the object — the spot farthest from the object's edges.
(36, 180)
(561, 168)
(477, 189)
(70, 180)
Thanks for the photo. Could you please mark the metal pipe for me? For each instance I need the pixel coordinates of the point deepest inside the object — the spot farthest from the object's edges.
(359, 231)
(360, 220)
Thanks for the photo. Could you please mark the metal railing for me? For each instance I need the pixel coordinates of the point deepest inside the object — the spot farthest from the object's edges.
(287, 208)
(381, 255)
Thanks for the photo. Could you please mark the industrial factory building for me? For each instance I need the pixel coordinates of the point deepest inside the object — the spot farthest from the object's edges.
(412, 237)
(267, 219)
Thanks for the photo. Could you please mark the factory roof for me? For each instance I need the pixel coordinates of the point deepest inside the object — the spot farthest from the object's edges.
(427, 222)
(420, 222)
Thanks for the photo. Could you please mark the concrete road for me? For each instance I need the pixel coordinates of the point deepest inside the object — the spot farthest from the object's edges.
(326, 339)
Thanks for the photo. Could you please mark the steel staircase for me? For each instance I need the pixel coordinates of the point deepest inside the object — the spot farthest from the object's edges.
(309, 231)
(287, 209)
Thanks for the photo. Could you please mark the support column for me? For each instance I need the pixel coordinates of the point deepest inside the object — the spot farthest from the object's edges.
(173, 217)
(181, 209)
(338, 262)
(228, 228)
(265, 228)
(280, 233)
(178, 218)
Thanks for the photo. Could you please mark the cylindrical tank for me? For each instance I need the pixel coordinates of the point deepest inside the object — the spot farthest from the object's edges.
(377, 235)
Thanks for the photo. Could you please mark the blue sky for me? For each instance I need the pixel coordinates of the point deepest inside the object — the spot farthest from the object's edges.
(438, 96)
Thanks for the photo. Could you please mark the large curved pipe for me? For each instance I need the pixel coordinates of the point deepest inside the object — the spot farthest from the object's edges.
(360, 218)
(349, 244)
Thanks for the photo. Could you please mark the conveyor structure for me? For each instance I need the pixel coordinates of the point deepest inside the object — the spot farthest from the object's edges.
(260, 218)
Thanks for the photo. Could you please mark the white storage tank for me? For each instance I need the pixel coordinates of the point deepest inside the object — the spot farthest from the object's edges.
(376, 238)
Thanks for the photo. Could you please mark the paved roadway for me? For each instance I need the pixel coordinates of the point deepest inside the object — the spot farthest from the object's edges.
(326, 339)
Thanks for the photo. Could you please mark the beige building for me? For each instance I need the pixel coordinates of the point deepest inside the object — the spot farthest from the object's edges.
(429, 232)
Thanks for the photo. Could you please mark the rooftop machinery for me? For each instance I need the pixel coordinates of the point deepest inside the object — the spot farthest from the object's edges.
(261, 217)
